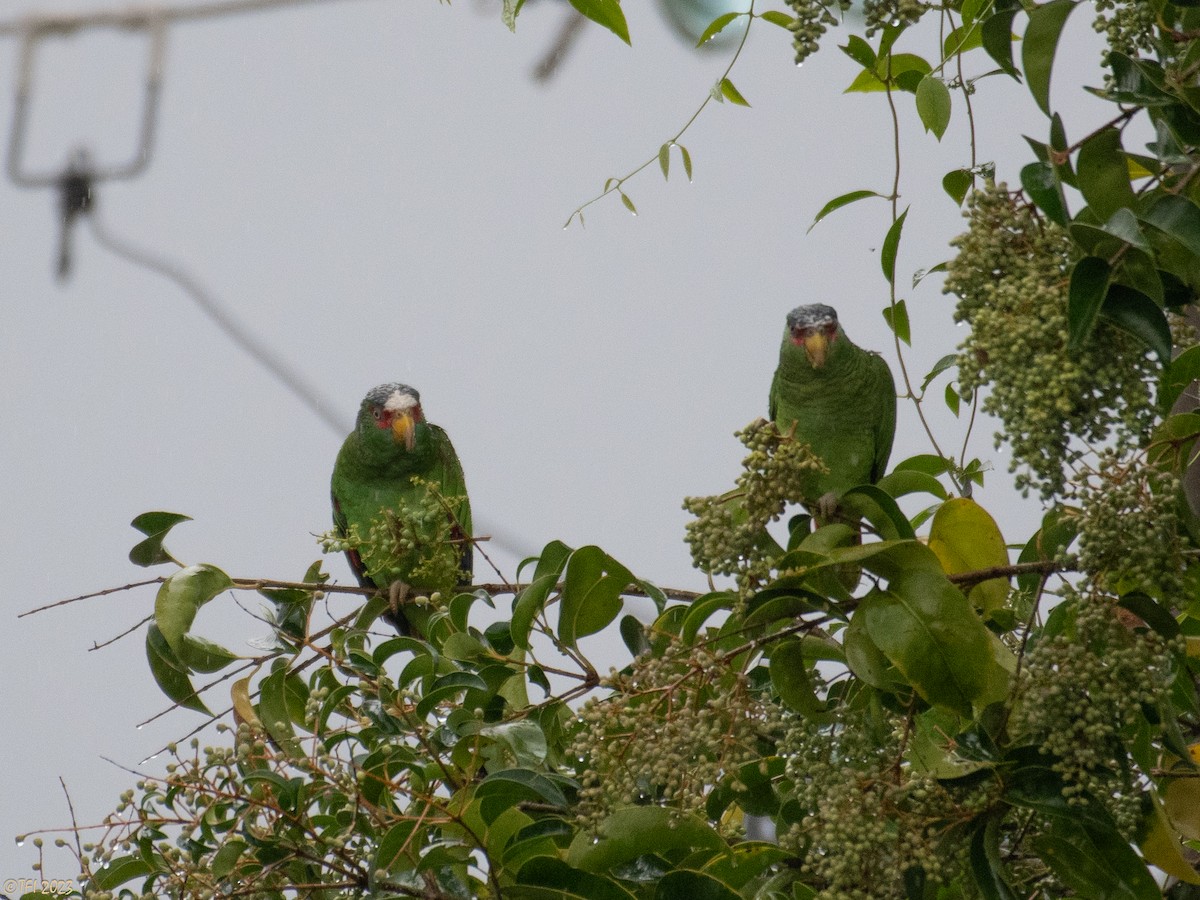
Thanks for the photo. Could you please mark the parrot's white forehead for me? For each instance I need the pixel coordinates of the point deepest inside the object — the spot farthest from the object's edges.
(400, 402)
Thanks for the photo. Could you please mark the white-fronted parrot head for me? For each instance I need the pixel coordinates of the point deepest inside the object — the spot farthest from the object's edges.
(815, 328)
(393, 410)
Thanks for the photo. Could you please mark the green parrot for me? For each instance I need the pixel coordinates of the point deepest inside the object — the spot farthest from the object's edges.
(836, 397)
(392, 474)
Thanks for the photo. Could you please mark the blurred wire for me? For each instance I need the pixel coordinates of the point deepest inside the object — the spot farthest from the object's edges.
(287, 376)
(68, 23)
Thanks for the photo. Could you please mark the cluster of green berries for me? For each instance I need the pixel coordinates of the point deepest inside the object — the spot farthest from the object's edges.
(415, 543)
(883, 13)
(810, 20)
(866, 822)
(1129, 27)
(1129, 535)
(728, 535)
(708, 720)
(1011, 276)
(1083, 688)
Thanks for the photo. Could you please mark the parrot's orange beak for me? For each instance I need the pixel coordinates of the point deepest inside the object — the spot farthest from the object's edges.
(816, 345)
(403, 429)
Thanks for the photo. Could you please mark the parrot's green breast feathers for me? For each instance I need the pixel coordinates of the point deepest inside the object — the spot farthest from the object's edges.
(843, 405)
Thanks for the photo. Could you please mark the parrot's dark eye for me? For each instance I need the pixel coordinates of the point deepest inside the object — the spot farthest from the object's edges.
(376, 412)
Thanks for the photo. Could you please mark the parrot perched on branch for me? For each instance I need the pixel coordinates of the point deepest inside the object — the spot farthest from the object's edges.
(400, 500)
(836, 397)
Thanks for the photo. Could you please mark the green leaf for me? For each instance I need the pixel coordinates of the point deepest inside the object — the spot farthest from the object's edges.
(685, 884)
(1177, 217)
(170, 672)
(956, 183)
(894, 68)
(607, 13)
(896, 316)
(731, 93)
(840, 201)
(987, 864)
(716, 26)
(1137, 314)
(1103, 173)
(949, 361)
(634, 831)
(204, 656)
(859, 51)
(181, 595)
(962, 39)
(274, 714)
(926, 627)
(775, 17)
(155, 525)
(997, 35)
(116, 872)
(891, 243)
(1095, 861)
(933, 105)
(509, 13)
(792, 681)
(528, 783)
(1085, 297)
(1040, 181)
(1161, 844)
(687, 160)
(953, 401)
(701, 609)
(591, 593)
(628, 203)
(965, 538)
(633, 633)
(1041, 41)
(548, 878)
(664, 160)
(1178, 376)
(528, 604)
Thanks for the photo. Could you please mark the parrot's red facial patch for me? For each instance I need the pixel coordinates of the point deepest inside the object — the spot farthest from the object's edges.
(802, 334)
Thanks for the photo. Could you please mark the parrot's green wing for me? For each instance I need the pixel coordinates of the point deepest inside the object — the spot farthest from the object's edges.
(885, 425)
(453, 485)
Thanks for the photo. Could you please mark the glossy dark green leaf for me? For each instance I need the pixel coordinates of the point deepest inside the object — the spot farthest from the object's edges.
(701, 609)
(1095, 862)
(274, 713)
(891, 69)
(997, 36)
(549, 878)
(632, 832)
(1103, 173)
(1085, 297)
(591, 593)
(869, 502)
(181, 595)
(1140, 316)
(1177, 217)
(792, 680)
(896, 316)
(928, 630)
(1040, 182)
(840, 201)
(170, 672)
(155, 525)
(685, 884)
(987, 864)
(901, 483)
(200, 655)
(607, 13)
(1039, 46)
(891, 243)
(949, 361)
(1150, 612)
(933, 105)
(1178, 376)
(633, 633)
(528, 604)
(534, 783)
(116, 872)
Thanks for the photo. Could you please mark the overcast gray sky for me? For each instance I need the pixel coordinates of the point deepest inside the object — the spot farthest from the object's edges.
(377, 190)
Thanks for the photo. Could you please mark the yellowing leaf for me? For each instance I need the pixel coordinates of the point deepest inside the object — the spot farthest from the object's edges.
(965, 538)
